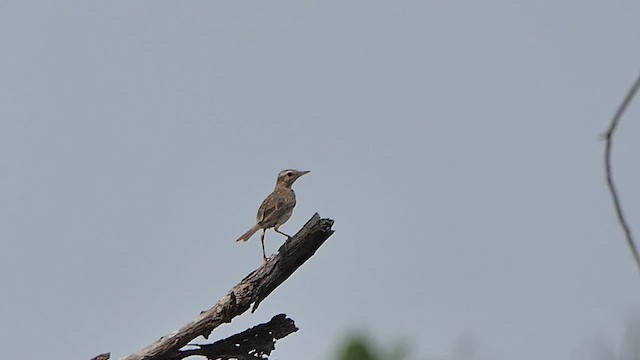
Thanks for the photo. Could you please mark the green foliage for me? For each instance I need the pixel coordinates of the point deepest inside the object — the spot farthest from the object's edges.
(360, 347)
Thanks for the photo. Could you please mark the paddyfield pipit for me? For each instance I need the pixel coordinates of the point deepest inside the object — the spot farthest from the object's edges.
(277, 208)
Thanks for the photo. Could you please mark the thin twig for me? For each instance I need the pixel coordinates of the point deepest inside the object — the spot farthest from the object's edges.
(607, 163)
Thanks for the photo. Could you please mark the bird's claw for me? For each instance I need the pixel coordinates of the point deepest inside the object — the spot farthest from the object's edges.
(267, 259)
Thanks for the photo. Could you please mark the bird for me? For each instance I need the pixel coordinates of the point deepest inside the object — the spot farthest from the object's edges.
(276, 208)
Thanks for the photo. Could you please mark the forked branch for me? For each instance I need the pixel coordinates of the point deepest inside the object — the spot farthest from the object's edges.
(251, 291)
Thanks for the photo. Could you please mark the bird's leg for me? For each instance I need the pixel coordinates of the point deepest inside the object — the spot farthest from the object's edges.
(264, 255)
(288, 237)
(280, 232)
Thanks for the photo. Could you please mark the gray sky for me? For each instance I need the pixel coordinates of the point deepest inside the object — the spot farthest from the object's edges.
(456, 145)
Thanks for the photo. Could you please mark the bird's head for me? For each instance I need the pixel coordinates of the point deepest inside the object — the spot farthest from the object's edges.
(287, 177)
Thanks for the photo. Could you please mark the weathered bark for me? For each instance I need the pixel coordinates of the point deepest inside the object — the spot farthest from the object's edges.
(250, 344)
(252, 290)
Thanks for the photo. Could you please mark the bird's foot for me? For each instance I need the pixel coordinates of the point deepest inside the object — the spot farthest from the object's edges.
(265, 260)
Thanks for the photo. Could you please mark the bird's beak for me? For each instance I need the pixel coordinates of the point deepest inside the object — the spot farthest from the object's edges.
(300, 173)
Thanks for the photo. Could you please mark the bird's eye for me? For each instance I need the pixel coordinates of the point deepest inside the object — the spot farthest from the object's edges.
(289, 173)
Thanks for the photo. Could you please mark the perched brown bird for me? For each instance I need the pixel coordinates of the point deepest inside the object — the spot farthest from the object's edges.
(277, 208)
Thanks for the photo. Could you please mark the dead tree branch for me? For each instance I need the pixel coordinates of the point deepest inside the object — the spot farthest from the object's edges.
(607, 163)
(250, 344)
(252, 290)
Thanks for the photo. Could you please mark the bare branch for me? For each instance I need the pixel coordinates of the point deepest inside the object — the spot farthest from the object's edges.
(252, 343)
(607, 161)
(254, 288)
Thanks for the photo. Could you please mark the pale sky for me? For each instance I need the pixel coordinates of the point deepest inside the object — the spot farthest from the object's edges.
(455, 144)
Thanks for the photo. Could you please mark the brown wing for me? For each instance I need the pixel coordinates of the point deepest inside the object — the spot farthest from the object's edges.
(274, 206)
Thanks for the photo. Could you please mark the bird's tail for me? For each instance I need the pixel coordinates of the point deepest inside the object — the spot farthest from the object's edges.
(246, 236)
